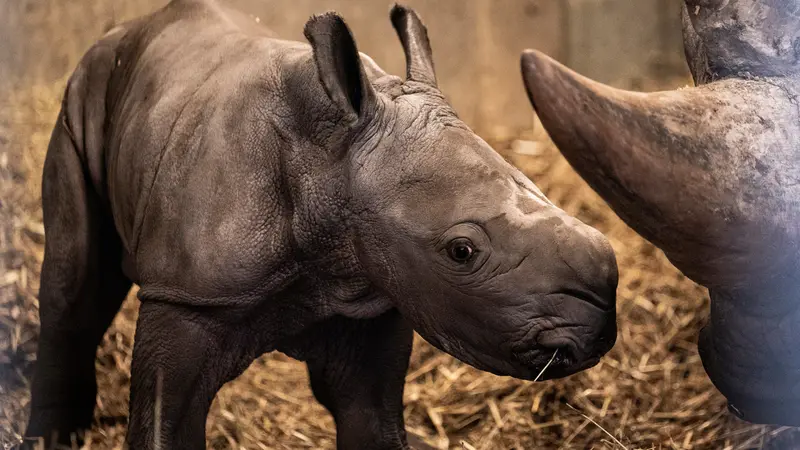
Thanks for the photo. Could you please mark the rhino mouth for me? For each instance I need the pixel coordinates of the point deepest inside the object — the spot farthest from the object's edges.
(552, 354)
(542, 337)
(560, 363)
(534, 365)
(561, 348)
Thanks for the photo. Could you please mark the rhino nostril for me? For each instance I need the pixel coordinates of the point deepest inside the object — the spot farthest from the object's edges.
(567, 349)
(597, 300)
(564, 357)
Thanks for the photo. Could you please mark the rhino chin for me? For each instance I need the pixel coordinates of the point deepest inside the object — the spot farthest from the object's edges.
(551, 355)
(504, 367)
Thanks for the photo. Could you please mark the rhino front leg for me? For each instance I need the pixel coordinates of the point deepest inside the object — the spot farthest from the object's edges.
(181, 358)
(357, 372)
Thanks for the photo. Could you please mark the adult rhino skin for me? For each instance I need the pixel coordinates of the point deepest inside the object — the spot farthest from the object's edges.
(274, 195)
(711, 175)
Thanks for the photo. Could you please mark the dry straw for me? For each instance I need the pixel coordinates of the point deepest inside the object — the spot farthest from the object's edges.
(649, 392)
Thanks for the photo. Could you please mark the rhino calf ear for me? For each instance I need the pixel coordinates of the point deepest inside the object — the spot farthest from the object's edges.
(339, 65)
(416, 46)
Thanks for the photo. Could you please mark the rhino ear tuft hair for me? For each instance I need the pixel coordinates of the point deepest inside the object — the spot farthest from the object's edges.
(339, 65)
(414, 38)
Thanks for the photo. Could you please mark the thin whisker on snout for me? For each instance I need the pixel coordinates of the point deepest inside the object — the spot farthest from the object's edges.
(546, 366)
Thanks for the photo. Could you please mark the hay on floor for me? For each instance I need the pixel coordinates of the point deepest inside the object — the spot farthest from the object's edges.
(650, 392)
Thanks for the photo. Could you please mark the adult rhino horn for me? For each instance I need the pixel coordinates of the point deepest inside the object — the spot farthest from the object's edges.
(691, 170)
(711, 175)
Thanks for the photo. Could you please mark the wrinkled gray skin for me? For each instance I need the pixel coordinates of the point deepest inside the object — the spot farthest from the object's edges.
(711, 175)
(271, 195)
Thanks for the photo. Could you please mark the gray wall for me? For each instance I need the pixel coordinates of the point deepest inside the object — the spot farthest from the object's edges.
(477, 43)
(625, 43)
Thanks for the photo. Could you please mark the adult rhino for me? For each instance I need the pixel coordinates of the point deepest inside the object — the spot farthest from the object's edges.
(711, 175)
(274, 195)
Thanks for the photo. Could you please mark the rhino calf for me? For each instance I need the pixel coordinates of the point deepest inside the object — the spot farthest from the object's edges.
(270, 195)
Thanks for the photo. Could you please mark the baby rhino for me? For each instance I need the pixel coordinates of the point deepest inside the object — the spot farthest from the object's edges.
(271, 195)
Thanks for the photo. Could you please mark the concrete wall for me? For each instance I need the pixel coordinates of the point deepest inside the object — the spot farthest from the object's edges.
(476, 43)
(625, 43)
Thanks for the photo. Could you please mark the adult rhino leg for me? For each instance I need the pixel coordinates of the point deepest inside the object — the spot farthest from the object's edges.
(181, 358)
(357, 370)
(82, 288)
(749, 350)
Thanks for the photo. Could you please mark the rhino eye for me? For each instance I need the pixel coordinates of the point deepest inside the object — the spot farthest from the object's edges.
(461, 250)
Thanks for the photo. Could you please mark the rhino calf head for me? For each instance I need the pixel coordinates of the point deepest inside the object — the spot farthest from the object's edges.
(468, 249)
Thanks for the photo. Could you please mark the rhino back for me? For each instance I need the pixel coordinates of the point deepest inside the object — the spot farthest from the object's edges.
(193, 159)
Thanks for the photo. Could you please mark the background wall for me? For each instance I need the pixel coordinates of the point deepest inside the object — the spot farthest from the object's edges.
(476, 43)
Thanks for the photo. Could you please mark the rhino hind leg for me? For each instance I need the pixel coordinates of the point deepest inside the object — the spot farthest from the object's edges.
(82, 288)
(357, 370)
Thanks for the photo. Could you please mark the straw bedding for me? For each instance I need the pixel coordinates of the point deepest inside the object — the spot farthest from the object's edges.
(650, 392)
